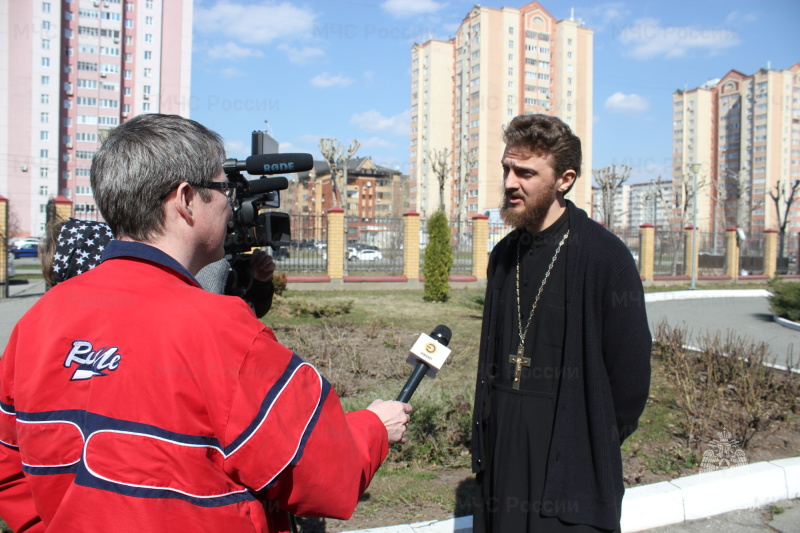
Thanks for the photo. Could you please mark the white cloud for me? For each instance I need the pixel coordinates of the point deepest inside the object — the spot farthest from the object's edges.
(270, 21)
(236, 148)
(301, 55)
(409, 8)
(376, 142)
(231, 72)
(626, 103)
(372, 120)
(737, 18)
(326, 80)
(597, 17)
(648, 39)
(310, 139)
(232, 50)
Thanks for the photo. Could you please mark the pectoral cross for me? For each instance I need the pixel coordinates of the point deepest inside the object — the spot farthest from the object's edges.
(519, 360)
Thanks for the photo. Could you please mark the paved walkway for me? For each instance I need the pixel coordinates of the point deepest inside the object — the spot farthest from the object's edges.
(746, 316)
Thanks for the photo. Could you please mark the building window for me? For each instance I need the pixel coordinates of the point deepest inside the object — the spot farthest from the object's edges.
(45, 44)
(148, 21)
(148, 54)
(128, 40)
(44, 135)
(45, 7)
(44, 153)
(43, 188)
(45, 99)
(127, 75)
(146, 106)
(129, 6)
(129, 23)
(45, 80)
(147, 72)
(44, 117)
(45, 25)
(148, 37)
(128, 57)
(43, 172)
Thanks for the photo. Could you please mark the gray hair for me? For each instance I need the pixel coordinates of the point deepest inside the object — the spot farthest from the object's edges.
(142, 161)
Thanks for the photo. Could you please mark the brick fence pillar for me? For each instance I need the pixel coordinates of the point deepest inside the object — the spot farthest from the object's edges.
(689, 253)
(4, 246)
(336, 244)
(732, 253)
(480, 245)
(647, 251)
(411, 225)
(770, 252)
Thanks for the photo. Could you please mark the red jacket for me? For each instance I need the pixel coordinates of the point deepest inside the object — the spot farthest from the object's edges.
(133, 400)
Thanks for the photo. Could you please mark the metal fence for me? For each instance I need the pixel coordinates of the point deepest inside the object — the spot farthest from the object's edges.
(306, 255)
(461, 242)
(374, 246)
(751, 254)
(668, 253)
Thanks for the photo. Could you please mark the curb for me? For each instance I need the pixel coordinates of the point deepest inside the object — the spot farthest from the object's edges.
(673, 502)
(785, 322)
(690, 295)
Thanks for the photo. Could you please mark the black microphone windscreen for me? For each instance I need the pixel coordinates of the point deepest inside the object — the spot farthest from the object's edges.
(278, 163)
(442, 335)
(265, 185)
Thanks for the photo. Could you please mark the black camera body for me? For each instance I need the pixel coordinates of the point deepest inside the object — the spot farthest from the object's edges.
(251, 226)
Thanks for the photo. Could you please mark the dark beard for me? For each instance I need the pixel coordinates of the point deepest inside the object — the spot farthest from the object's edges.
(535, 211)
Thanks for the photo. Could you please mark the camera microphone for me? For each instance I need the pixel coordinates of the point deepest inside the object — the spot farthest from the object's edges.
(429, 352)
(265, 185)
(276, 163)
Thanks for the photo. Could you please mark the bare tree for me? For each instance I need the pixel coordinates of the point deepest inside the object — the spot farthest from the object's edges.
(609, 179)
(440, 165)
(677, 207)
(466, 162)
(338, 159)
(784, 195)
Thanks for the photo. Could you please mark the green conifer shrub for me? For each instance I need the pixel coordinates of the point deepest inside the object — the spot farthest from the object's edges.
(438, 259)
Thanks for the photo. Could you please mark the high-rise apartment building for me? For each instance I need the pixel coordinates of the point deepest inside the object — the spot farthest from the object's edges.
(637, 204)
(500, 64)
(741, 134)
(74, 69)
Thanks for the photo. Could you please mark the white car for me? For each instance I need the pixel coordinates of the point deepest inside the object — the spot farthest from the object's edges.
(11, 270)
(18, 242)
(365, 255)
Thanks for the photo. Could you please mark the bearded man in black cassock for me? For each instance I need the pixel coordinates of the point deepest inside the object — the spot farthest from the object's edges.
(564, 368)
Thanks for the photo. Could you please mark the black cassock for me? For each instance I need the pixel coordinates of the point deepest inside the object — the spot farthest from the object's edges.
(521, 421)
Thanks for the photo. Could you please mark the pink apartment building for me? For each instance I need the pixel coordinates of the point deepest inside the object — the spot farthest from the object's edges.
(72, 70)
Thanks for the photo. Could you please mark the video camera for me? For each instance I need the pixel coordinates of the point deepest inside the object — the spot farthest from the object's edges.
(249, 226)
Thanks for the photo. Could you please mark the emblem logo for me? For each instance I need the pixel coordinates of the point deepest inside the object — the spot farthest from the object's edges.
(724, 455)
(90, 362)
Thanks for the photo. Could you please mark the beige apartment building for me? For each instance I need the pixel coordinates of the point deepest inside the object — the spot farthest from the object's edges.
(500, 64)
(742, 135)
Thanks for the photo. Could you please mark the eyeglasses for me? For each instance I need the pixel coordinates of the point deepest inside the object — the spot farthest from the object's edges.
(228, 188)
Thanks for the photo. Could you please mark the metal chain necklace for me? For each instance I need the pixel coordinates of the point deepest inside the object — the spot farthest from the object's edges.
(519, 359)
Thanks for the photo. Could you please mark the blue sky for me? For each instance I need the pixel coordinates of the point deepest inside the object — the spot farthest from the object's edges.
(341, 69)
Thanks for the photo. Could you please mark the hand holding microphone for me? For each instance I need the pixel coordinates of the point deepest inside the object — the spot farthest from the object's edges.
(430, 353)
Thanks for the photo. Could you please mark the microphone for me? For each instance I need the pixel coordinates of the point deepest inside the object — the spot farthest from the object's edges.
(276, 163)
(265, 185)
(430, 353)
